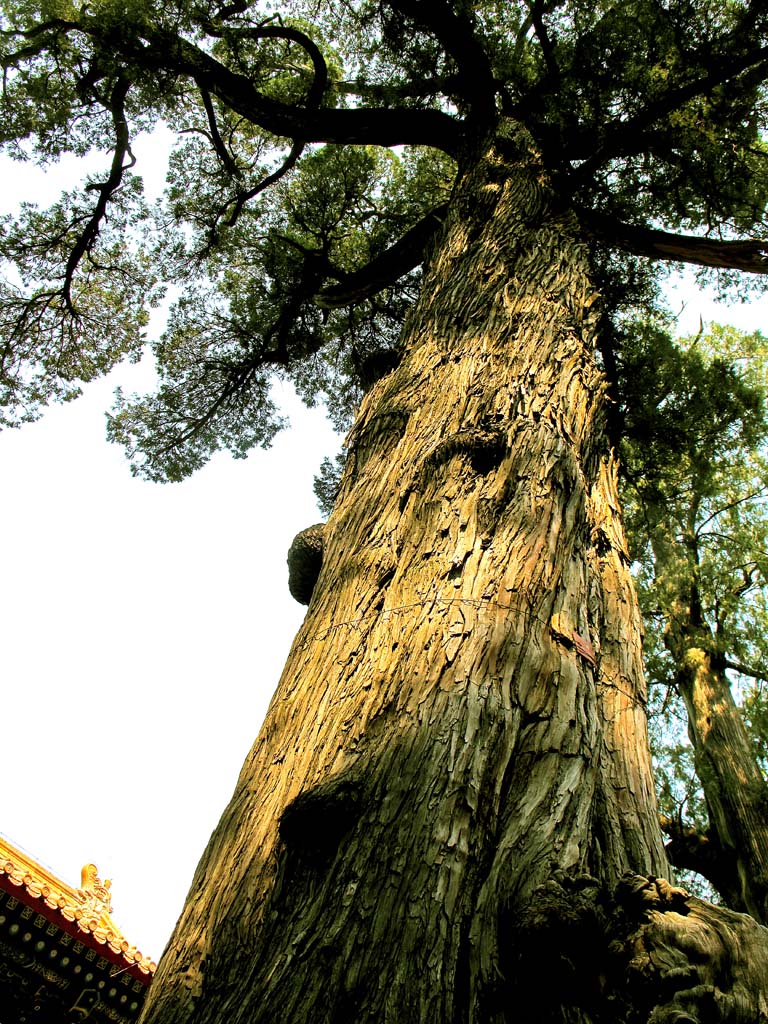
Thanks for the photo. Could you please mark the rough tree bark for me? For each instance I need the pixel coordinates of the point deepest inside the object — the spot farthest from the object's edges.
(454, 769)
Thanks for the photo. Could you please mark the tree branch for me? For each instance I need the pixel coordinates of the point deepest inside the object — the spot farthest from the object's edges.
(165, 50)
(243, 197)
(312, 103)
(749, 255)
(105, 189)
(295, 35)
(406, 253)
(215, 135)
(628, 137)
(746, 670)
(455, 32)
(52, 25)
(760, 493)
(537, 11)
(692, 850)
(414, 88)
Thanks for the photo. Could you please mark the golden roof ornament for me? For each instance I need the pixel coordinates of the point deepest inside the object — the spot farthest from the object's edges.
(93, 893)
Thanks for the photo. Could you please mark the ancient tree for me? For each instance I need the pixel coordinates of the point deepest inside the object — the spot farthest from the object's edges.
(440, 217)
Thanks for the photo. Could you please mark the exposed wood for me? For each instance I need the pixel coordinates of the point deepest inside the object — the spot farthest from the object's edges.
(690, 962)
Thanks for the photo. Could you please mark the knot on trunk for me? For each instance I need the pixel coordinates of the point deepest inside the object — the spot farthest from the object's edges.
(313, 825)
(688, 960)
(305, 558)
(556, 946)
(639, 895)
(484, 447)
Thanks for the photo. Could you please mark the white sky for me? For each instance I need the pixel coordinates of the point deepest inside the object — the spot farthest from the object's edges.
(143, 628)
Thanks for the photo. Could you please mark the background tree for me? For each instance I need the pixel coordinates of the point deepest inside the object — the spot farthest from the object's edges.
(695, 498)
(449, 812)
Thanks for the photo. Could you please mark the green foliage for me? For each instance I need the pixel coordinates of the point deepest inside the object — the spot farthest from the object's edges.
(702, 162)
(255, 316)
(756, 716)
(326, 485)
(687, 411)
(679, 792)
(60, 333)
(287, 179)
(695, 475)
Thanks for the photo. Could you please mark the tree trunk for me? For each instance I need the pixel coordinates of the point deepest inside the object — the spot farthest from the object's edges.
(461, 723)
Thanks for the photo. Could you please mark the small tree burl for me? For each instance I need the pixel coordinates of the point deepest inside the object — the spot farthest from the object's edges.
(305, 557)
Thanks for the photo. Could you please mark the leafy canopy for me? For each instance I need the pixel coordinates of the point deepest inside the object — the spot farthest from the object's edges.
(317, 144)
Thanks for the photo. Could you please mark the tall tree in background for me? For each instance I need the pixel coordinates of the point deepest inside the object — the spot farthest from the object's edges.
(448, 814)
(695, 490)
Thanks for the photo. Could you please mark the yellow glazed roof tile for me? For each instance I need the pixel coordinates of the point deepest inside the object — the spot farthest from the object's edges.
(89, 906)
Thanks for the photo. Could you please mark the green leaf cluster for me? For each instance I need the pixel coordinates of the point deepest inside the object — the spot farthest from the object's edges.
(247, 312)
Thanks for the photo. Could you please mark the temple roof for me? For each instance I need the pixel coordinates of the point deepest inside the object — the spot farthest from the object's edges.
(84, 912)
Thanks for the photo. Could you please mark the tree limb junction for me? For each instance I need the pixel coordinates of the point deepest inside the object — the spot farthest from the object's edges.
(406, 253)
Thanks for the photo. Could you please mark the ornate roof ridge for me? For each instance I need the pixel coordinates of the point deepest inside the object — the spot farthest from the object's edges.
(87, 907)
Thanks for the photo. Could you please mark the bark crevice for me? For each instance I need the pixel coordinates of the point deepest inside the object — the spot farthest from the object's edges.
(316, 821)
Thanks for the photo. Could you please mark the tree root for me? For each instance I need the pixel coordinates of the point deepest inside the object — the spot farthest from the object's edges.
(647, 954)
(688, 961)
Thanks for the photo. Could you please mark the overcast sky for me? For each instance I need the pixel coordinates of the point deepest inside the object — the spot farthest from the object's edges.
(144, 628)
